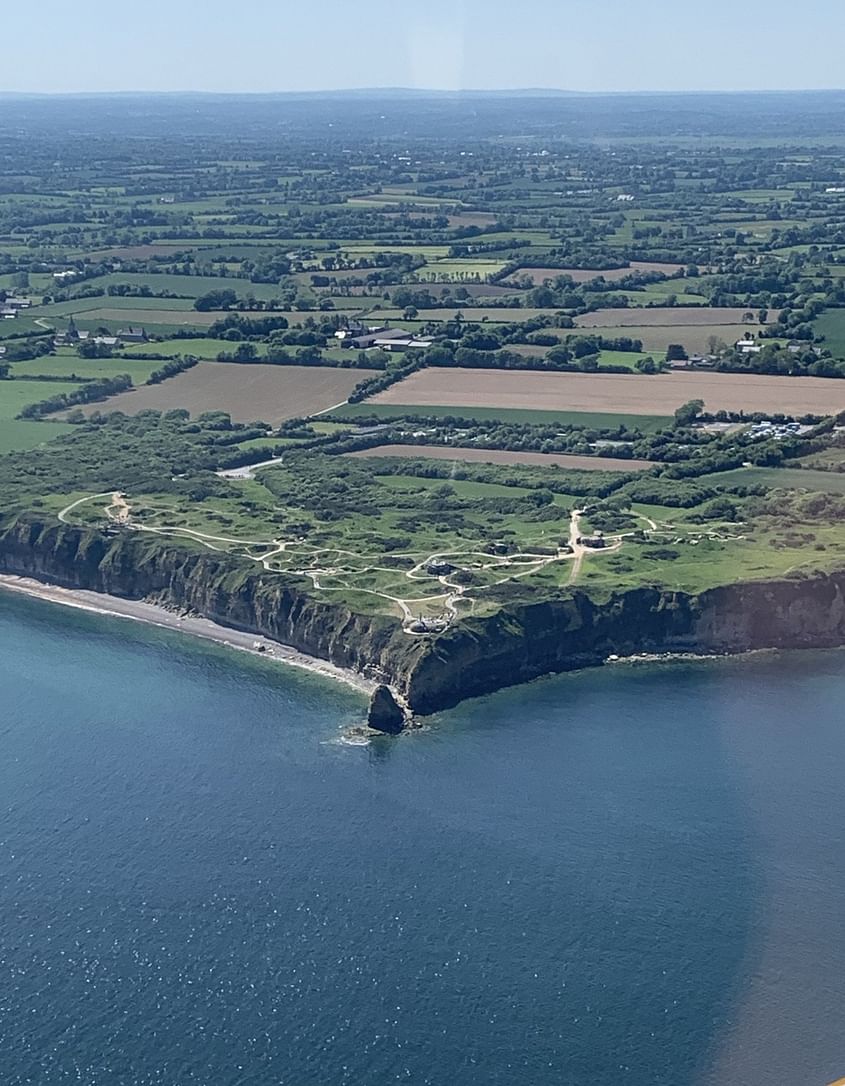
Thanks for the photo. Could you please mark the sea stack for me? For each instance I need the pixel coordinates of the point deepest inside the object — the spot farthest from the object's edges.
(386, 714)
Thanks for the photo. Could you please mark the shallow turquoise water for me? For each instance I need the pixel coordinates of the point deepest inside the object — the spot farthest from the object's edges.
(622, 876)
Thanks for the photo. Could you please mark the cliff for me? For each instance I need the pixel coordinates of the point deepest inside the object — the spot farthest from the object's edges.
(577, 630)
(228, 590)
(476, 656)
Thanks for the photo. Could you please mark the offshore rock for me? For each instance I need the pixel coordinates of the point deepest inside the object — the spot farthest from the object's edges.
(386, 714)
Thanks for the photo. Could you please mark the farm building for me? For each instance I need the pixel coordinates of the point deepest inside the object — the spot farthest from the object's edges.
(401, 343)
(133, 335)
(371, 338)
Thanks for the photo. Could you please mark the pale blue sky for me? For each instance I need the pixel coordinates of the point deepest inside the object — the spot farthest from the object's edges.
(280, 45)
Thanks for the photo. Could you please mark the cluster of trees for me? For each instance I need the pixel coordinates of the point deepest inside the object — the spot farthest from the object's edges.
(24, 350)
(235, 325)
(776, 360)
(172, 368)
(91, 392)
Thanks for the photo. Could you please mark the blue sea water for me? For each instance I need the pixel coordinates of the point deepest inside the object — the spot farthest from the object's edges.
(628, 876)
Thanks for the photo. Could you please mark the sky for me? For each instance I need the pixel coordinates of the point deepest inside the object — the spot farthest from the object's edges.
(296, 45)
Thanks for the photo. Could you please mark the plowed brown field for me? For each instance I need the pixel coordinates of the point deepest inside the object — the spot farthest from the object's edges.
(611, 393)
(247, 392)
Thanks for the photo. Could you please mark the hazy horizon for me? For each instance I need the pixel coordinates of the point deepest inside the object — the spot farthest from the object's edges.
(422, 92)
(567, 46)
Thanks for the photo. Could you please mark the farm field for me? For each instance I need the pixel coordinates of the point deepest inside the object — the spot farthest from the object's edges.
(491, 314)
(412, 214)
(189, 286)
(135, 308)
(19, 435)
(656, 339)
(505, 456)
(831, 325)
(15, 395)
(71, 367)
(246, 392)
(200, 347)
(610, 275)
(180, 318)
(665, 316)
(612, 392)
(830, 482)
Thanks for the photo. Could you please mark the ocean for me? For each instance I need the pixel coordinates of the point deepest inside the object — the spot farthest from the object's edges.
(633, 875)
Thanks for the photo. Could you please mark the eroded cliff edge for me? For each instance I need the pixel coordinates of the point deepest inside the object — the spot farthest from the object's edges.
(476, 656)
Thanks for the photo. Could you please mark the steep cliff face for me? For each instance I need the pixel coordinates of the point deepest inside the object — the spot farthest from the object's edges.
(227, 590)
(476, 656)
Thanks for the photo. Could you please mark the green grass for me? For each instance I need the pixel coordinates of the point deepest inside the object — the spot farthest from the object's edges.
(710, 563)
(17, 435)
(134, 306)
(187, 286)
(462, 488)
(830, 482)
(628, 359)
(650, 424)
(15, 395)
(19, 326)
(202, 348)
(831, 325)
(162, 330)
(72, 367)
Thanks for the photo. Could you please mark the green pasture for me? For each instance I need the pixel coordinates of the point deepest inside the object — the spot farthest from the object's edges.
(829, 482)
(186, 286)
(71, 366)
(831, 325)
(18, 435)
(200, 347)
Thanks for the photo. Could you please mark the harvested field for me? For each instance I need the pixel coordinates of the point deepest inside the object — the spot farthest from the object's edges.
(504, 456)
(246, 392)
(665, 316)
(616, 392)
(610, 275)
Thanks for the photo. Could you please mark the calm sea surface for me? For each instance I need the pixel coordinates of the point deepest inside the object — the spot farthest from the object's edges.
(628, 876)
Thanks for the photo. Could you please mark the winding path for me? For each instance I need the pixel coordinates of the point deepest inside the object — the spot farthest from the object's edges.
(119, 512)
